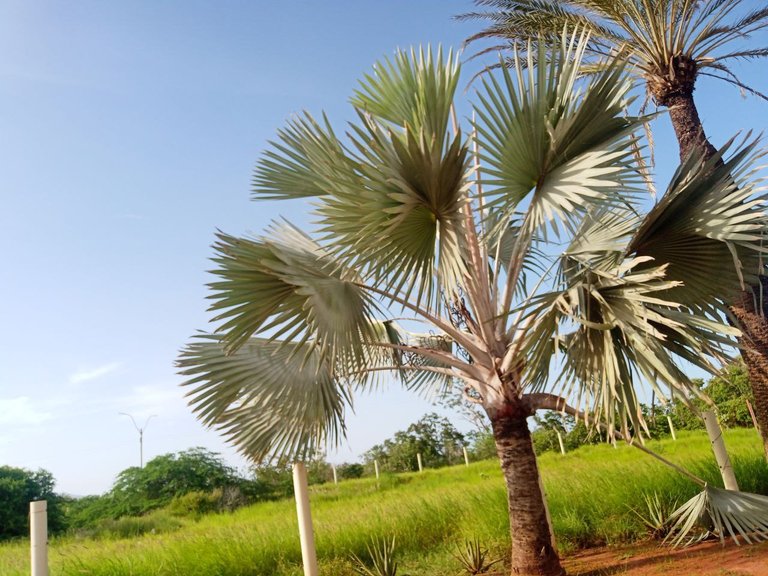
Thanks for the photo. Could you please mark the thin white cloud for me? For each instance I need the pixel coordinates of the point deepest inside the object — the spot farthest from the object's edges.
(93, 373)
(144, 401)
(21, 411)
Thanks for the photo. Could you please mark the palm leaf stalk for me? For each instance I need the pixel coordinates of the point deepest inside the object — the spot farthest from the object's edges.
(403, 227)
(668, 45)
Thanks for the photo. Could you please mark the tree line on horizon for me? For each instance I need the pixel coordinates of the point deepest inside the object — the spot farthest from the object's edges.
(197, 481)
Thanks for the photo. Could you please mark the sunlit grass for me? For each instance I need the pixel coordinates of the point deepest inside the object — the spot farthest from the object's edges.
(591, 492)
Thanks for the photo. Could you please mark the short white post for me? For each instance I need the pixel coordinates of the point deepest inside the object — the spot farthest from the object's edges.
(306, 534)
(715, 434)
(335, 478)
(376, 468)
(418, 460)
(560, 440)
(466, 456)
(38, 532)
(671, 428)
(752, 415)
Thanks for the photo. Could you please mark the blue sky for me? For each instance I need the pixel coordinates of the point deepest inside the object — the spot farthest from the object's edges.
(129, 135)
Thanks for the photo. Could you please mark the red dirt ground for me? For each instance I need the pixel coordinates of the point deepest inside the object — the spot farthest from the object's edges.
(707, 559)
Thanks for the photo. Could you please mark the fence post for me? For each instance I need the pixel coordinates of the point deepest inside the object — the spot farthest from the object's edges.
(38, 532)
(560, 440)
(466, 456)
(671, 428)
(335, 477)
(715, 434)
(306, 534)
(376, 468)
(752, 415)
(418, 459)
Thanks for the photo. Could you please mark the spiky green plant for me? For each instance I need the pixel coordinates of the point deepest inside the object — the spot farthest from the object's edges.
(657, 514)
(381, 553)
(473, 557)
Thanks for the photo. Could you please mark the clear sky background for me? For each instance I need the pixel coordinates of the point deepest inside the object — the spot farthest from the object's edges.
(128, 135)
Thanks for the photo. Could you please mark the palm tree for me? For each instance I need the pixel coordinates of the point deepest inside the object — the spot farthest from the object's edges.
(492, 259)
(668, 45)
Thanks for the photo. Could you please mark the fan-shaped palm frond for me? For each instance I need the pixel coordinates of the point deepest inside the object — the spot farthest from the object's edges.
(711, 217)
(416, 90)
(607, 323)
(269, 399)
(287, 286)
(572, 161)
(391, 203)
(722, 512)
(307, 160)
(431, 377)
(406, 219)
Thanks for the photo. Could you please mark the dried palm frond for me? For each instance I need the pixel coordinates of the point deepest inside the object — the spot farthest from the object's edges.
(720, 512)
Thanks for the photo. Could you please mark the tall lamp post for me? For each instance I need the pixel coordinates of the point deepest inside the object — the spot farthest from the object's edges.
(141, 434)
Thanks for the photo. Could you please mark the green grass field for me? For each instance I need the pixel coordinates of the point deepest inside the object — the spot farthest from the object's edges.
(591, 494)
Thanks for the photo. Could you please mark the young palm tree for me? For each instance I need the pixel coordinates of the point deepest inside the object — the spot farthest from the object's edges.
(668, 45)
(518, 257)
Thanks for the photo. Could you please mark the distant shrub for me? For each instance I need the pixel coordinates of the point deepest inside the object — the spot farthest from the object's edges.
(348, 471)
(196, 503)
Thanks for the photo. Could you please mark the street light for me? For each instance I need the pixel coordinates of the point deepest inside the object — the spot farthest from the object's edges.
(141, 434)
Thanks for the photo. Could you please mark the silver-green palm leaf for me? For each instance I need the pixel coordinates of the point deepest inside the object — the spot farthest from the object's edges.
(269, 399)
(711, 217)
(723, 512)
(286, 286)
(562, 146)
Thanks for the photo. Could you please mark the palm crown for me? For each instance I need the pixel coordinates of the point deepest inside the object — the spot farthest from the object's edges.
(412, 214)
(505, 250)
(668, 42)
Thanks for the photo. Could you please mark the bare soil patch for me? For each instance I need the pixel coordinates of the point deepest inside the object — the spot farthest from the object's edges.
(706, 559)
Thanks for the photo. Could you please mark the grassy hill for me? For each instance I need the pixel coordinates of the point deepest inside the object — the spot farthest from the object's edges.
(592, 493)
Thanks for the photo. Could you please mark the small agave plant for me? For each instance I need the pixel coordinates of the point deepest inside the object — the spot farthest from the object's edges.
(382, 554)
(474, 558)
(657, 515)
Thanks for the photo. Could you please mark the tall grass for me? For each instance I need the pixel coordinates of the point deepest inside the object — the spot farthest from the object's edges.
(591, 494)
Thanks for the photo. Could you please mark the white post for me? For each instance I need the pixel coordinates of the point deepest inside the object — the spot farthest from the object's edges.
(752, 415)
(38, 532)
(466, 457)
(335, 478)
(560, 439)
(715, 434)
(306, 534)
(376, 467)
(671, 428)
(418, 459)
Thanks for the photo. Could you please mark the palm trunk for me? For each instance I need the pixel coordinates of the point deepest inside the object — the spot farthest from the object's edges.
(688, 127)
(532, 551)
(750, 308)
(750, 314)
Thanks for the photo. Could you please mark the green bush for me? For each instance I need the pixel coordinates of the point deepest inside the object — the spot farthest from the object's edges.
(196, 503)
(347, 471)
(18, 487)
